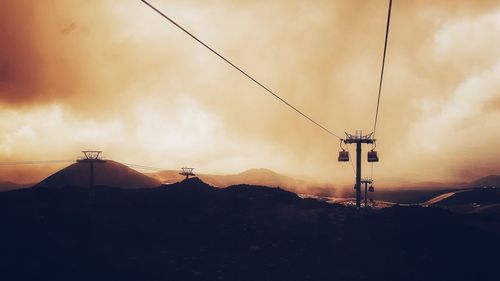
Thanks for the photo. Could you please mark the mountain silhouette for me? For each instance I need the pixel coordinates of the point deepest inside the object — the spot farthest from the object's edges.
(263, 177)
(109, 173)
(193, 184)
(190, 230)
(489, 181)
(474, 200)
(8, 185)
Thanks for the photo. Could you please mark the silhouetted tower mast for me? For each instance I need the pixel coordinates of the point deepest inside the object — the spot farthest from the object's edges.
(358, 138)
(187, 172)
(367, 182)
(91, 157)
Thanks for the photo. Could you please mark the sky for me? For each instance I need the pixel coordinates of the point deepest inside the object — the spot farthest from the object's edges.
(114, 76)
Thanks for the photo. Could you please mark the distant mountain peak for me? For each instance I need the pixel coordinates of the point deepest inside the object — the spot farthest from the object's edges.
(109, 173)
(188, 185)
(491, 177)
(258, 171)
(490, 180)
(193, 181)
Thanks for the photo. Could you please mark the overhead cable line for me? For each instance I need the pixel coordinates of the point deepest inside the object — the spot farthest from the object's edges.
(383, 65)
(34, 162)
(382, 74)
(142, 167)
(239, 69)
(41, 162)
(350, 160)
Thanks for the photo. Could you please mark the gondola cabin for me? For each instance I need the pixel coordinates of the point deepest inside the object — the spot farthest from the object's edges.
(343, 156)
(372, 156)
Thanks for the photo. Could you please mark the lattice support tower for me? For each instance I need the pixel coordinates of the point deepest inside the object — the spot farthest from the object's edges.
(366, 182)
(187, 172)
(91, 157)
(358, 138)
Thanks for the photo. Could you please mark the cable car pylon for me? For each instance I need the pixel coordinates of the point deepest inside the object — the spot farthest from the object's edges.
(91, 157)
(358, 138)
(367, 182)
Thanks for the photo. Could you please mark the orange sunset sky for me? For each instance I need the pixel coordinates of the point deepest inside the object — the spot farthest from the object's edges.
(113, 75)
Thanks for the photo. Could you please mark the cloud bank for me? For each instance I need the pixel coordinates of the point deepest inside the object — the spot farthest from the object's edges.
(113, 75)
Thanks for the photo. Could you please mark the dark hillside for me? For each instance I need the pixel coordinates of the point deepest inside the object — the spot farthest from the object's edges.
(109, 173)
(191, 231)
(488, 181)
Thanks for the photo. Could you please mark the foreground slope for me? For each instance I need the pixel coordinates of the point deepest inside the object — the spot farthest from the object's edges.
(474, 200)
(192, 231)
(109, 173)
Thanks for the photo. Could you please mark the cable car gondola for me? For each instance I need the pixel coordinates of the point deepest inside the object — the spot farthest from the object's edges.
(372, 156)
(343, 155)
